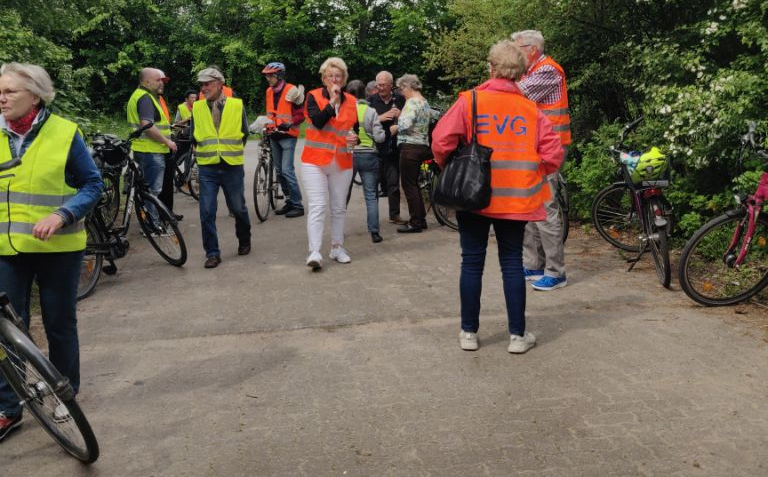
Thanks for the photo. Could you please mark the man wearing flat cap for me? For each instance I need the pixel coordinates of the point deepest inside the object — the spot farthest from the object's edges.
(150, 148)
(219, 132)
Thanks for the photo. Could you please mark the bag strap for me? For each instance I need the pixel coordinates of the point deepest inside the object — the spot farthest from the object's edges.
(474, 116)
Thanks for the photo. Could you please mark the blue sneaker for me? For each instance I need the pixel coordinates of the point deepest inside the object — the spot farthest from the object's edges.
(546, 283)
(532, 275)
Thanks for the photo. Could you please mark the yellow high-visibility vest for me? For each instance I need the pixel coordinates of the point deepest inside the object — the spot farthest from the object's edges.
(144, 143)
(227, 142)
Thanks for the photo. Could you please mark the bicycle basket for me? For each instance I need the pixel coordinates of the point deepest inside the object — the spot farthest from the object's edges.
(648, 166)
(108, 150)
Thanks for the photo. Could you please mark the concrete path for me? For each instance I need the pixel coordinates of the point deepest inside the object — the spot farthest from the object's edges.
(263, 368)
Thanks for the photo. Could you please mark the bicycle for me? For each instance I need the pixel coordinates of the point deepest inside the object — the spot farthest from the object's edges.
(111, 243)
(429, 174)
(111, 169)
(726, 260)
(266, 182)
(40, 387)
(185, 174)
(632, 214)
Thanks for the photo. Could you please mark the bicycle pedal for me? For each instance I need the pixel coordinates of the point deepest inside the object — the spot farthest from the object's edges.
(109, 269)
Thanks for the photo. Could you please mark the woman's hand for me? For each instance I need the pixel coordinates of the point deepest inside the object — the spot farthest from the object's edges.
(45, 228)
(393, 129)
(335, 93)
(352, 139)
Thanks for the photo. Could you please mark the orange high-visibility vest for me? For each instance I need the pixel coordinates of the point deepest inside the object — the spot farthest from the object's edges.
(507, 122)
(557, 112)
(283, 113)
(225, 90)
(323, 145)
(161, 100)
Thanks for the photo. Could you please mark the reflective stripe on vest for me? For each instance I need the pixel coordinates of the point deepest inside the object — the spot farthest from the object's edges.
(144, 143)
(507, 122)
(184, 111)
(557, 112)
(324, 145)
(227, 142)
(365, 139)
(283, 113)
(36, 189)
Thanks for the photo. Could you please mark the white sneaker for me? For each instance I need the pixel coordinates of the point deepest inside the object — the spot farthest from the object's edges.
(340, 255)
(521, 344)
(468, 341)
(315, 261)
(61, 414)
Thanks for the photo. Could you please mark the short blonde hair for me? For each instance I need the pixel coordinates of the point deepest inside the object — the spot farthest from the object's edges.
(507, 59)
(409, 81)
(36, 79)
(334, 62)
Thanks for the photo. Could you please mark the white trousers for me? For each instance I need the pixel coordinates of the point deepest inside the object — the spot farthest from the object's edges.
(320, 184)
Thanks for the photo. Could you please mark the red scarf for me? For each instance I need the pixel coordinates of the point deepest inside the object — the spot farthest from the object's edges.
(22, 125)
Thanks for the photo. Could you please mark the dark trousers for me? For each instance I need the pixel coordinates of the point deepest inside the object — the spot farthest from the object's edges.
(411, 157)
(166, 194)
(473, 235)
(389, 172)
(57, 276)
(230, 179)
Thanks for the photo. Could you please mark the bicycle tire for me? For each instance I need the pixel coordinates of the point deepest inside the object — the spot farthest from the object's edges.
(109, 206)
(563, 205)
(193, 180)
(43, 391)
(615, 219)
(165, 235)
(444, 215)
(261, 191)
(90, 269)
(658, 244)
(707, 278)
(276, 199)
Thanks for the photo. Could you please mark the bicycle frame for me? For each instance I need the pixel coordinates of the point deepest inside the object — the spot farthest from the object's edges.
(754, 206)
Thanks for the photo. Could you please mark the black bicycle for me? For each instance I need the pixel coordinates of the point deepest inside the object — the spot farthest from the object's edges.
(429, 174)
(185, 174)
(632, 213)
(111, 243)
(266, 183)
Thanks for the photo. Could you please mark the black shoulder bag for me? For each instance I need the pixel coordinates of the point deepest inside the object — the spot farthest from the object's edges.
(465, 183)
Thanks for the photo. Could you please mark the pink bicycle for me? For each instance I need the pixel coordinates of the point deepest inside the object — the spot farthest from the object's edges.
(726, 260)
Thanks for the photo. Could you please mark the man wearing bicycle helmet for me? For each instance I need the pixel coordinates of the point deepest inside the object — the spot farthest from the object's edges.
(285, 108)
(544, 83)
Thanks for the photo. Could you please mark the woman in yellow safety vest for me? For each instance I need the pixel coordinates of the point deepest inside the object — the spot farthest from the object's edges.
(46, 196)
(525, 150)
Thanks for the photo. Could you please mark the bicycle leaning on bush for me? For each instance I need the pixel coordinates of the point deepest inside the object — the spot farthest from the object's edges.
(726, 260)
(632, 213)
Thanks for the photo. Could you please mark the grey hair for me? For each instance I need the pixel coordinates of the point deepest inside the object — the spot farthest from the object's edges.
(370, 87)
(530, 37)
(409, 81)
(36, 80)
(387, 75)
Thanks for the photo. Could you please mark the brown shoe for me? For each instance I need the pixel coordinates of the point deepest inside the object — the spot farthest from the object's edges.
(244, 249)
(212, 262)
(396, 219)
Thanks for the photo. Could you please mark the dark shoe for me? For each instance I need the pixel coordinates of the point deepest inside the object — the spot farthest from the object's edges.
(294, 213)
(8, 424)
(178, 217)
(396, 219)
(212, 262)
(409, 229)
(375, 237)
(382, 194)
(284, 209)
(244, 249)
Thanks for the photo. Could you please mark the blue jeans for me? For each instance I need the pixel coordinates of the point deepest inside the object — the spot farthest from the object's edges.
(367, 165)
(153, 168)
(231, 179)
(57, 276)
(473, 235)
(282, 157)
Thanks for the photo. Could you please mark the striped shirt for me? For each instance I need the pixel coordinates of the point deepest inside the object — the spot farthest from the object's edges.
(543, 86)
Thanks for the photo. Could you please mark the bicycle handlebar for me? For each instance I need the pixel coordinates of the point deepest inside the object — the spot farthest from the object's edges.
(140, 131)
(10, 164)
(627, 129)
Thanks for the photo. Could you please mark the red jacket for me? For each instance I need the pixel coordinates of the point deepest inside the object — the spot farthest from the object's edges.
(454, 128)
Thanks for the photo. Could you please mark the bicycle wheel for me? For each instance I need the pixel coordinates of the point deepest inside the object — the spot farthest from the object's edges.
(261, 191)
(109, 205)
(164, 234)
(561, 194)
(657, 242)
(615, 219)
(708, 273)
(276, 194)
(90, 269)
(47, 395)
(444, 215)
(426, 181)
(193, 180)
